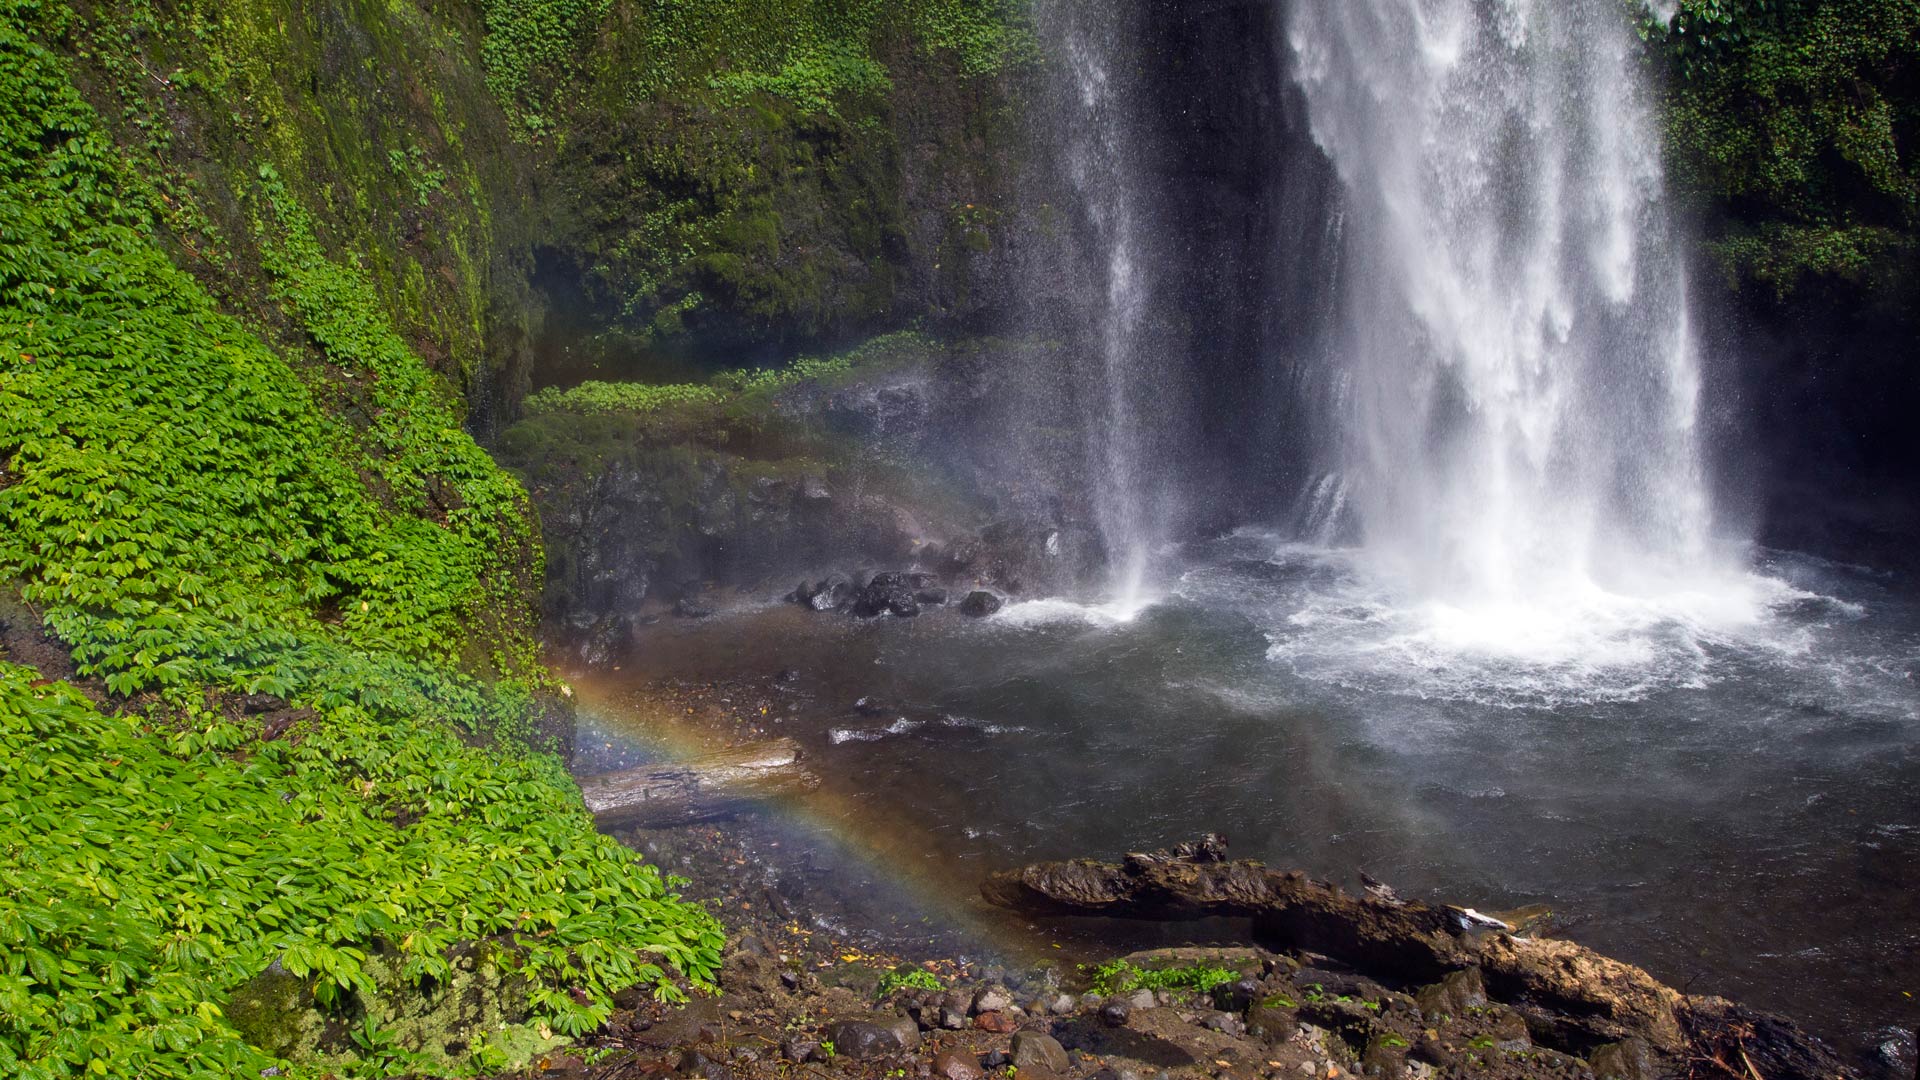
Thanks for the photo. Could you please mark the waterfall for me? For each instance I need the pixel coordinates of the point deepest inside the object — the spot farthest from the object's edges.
(1103, 141)
(1518, 385)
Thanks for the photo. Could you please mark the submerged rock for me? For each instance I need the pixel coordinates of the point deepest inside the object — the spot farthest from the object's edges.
(890, 593)
(980, 603)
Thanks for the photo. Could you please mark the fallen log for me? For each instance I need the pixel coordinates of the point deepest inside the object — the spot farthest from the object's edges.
(706, 788)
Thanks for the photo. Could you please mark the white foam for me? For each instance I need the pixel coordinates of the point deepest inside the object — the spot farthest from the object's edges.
(1052, 611)
(901, 726)
(1578, 642)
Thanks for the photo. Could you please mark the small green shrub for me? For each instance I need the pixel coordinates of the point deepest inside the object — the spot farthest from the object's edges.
(907, 978)
(602, 398)
(1122, 977)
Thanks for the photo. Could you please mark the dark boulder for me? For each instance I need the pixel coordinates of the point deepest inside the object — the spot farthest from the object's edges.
(980, 603)
(860, 1040)
(889, 593)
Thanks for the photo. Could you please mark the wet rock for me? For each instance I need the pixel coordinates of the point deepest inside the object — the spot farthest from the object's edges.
(1433, 1051)
(1035, 1051)
(695, 1063)
(830, 593)
(1274, 1018)
(1061, 1005)
(1236, 997)
(798, 1049)
(1453, 995)
(1897, 1052)
(860, 1040)
(1225, 1023)
(1627, 1060)
(992, 999)
(998, 1023)
(889, 592)
(953, 1065)
(689, 608)
(980, 603)
(953, 1019)
(1115, 1013)
(1510, 1032)
(905, 1031)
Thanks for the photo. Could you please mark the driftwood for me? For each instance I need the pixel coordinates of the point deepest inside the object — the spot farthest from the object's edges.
(702, 789)
(1569, 995)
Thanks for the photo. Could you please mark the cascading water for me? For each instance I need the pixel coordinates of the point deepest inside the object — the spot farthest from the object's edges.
(1518, 384)
(1101, 148)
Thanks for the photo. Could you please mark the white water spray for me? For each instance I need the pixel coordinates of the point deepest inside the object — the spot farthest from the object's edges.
(1520, 385)
(1100, 156)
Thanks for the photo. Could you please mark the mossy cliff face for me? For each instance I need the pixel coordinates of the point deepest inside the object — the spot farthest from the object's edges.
(727, 179)
(377, 118)
(743, 178)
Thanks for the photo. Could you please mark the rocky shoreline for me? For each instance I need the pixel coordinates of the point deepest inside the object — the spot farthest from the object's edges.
(805, 994)
(1322, 984)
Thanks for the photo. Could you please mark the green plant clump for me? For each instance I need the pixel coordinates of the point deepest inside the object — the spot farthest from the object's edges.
(907, 978)
(196, 518)
(1123, 977)
(603, 398)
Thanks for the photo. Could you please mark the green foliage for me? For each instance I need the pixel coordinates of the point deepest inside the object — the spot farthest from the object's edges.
(745, 385)
(809, 54)
(531, 49)
(608, 397)
(1798, 118)
(150, 869)
(189, 512)
(413, 169)
(900, 979)
(176, 502)
(812, 77)
(1120, 976)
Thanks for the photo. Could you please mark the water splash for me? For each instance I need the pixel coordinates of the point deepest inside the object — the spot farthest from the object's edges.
(1520, 382)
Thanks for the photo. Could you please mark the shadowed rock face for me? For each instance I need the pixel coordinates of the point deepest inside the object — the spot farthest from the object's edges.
(1570, 997)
